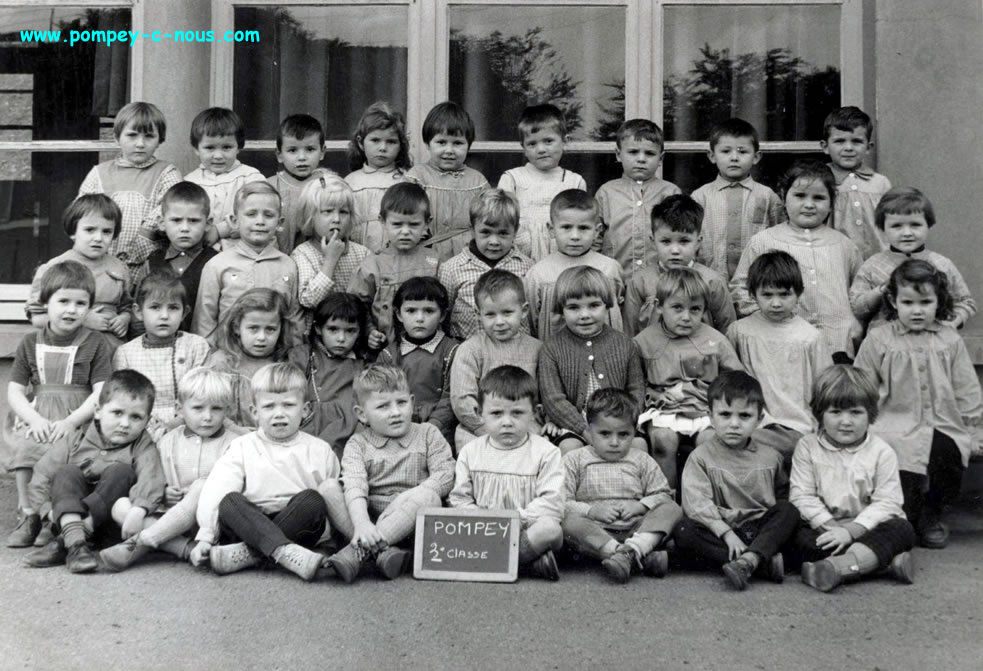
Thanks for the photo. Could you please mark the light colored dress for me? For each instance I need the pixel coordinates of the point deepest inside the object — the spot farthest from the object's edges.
(370, 186)
(221, 189)
(450, 195)
(857, 196)
(535, 190)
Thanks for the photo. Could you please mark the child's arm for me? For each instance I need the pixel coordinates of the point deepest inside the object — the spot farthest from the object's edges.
(738, 283)
(965, 384)
(618, 291)
(697, 496)
(804, 489)
(636, 375)
(314, 283)
(886, 499)
(720, 306)
(119, 324)
(870, 355)
(36, 312)
(39, 428)
(356, 481)
(148, 240)
(363, 285)
(228, 475)
(147, 493)
(553, 393)
(656, 486)
(440, 462)
(442, 414)
(963, 304)
(866, 293)
(206, 315)
(295, 314)
(465, 373)
(727, 358)
(549, 489)
(462, 495)
(81, 416)
(39, 489)
(632, 309)
(531, 286)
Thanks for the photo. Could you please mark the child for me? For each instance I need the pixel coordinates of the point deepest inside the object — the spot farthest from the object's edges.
(65, 364)
(676, 223)
(187, 453)
(573, 226)
(512, 468)
(619, 507)
(681, 356)
(585, 356)
(845, 484)
(328, 261)
(253, 261)
(300, 149)
(92, 222)
(217, 137)
(448, 132)
(734, 489)
(330, 364)
(904, 215)
(423, 351)
(379, 156)
(827, 258)
(735, 206)
(164, 353)
(136, 180)
(848, 135)
(542, 133)
(406, 215)
(494, 219)
(83, 479)
(782, 350)
(268, 490)
(626, 203)
(391, 470)
(254, 333)
(930, 399)
(501, 308)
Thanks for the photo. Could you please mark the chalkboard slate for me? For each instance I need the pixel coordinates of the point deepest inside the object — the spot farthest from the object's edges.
(467, 544)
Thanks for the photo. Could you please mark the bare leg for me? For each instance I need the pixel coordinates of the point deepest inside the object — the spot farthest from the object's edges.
(23, 478)
(664, 445)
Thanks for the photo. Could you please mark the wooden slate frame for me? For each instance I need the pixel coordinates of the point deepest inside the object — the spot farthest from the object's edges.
(421, 573)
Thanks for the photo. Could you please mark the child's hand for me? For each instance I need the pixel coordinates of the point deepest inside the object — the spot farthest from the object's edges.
(835, 541)
(735, 546)
(97, 321)
(172, 495)
(368, 537)
(332, 248)
(60, 429)
(550, 430)
(376, 338)
(211, 235)
(632, 509)
(119, 324)
(605, 513)
(133, 523)
(856, 332)
(199, 555)
(39, 430)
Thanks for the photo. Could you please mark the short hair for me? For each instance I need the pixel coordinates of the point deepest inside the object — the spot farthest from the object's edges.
(919, 274)
(679, 213)
(130, 382)
(448, 118)
(327, 190)
(344, 307)
(904, 200)
(843, 386)
(162, 283)
(186, 192)
(540, 117)
(146, 118)
(299, 126)
(495, 206)
(735, 385)
(205, 384)
(509, 382)
(775, 269)
(681, 280)
(226, 334)
(423, 288)
(848, 119)
(278, 378)
(405, 198)
(735, 128)
(252, 188)
(379, 115)
(379, 378)
(581, 282)
(640, 129)
(217, 121)
(67, 275)
(495, 282)
(92, 203)
(810, 170)
(574, 199)
(611, 402)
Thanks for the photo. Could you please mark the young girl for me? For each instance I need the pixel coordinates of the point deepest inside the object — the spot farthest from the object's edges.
(827, 258)
(92, 222)
(424, 351)
(379, 156)
(681, 356)
(585, 356)
(330, 363)
(449, 131)
(930, 396)
(164, 353)
(256, 331)
(845, 484)
(65, 363)
(136, 180)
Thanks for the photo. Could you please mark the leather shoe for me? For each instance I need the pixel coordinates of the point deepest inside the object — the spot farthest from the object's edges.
(52, 554)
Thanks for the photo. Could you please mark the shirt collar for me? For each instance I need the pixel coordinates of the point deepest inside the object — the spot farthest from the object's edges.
(379, 441)
(208, 173)
(188, 433)
(720, 183)
(405, 346)
(324, 350)
(93, 439)
(170, 342)
(394, 171)
(749, 446)
(123, 163)
(192, 253)
(824, 441)
(270, 252)
(840, 174)
(901, 329)
(910, 254)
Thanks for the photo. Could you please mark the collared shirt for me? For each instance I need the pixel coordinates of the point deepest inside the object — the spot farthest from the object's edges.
(640, 298)
(405, 346)
(186, 457)
(179, 259)
(589, 479)
(535, 190)
(857, 195)
(221, 189)
(626, 209)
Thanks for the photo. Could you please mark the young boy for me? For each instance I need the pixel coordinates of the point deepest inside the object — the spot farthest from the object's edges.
(542, 133)
(494, 221)
(268, 489)
(904, 215)
(574, 222)
(300, 149)
(676, 226)
(217, 137)
(734, 490)
(619, 506)
(848, 135)
(502, 307)
(115, 458)
(626, 203)
(735, 206)
(253, 261)
(391, 470)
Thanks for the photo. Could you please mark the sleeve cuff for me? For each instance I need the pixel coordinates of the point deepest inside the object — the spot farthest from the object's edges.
(719, 528)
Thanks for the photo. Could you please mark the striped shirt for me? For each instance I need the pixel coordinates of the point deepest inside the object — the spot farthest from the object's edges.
(589, 479)
(857, 195)
(626, 209)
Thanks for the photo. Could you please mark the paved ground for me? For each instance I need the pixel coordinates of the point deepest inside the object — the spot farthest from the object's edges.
(163, 615)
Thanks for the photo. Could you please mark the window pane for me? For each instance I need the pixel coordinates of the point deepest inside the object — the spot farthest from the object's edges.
(774, 66)
(594, 168)
(691, 171)
(329, 62)
(504, 58)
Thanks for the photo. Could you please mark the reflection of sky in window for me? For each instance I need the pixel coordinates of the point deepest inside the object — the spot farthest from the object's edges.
(362, 26)
(16, 19)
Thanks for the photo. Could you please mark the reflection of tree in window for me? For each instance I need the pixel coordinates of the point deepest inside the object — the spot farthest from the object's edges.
(612, 113)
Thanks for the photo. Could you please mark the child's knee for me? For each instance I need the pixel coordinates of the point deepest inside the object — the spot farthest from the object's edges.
(704, 436)
(664, 442)
(120, 509)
